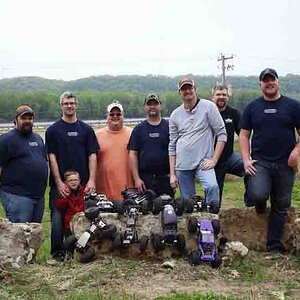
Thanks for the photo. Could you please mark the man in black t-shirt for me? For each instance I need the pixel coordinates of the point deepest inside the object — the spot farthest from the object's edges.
(272, 162)
(71, 145)
(23, 169)
(229, 161)
(148, 150)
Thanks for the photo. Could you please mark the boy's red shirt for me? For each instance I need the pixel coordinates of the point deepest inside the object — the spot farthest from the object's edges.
(72, 204)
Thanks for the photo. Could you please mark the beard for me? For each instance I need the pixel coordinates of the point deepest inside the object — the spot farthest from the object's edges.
(153, 113)
(26, 129)
(270, 90)
(221, 104)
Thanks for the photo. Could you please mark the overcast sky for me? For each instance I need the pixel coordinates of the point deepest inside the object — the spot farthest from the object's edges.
(74, 39)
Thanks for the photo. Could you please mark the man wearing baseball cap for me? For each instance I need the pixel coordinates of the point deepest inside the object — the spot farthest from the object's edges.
(193, 128)
(148, 150)
(271, 161)
(113, 172)
(23, 169)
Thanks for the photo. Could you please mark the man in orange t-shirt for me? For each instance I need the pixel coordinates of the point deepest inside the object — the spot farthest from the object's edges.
(113, 172)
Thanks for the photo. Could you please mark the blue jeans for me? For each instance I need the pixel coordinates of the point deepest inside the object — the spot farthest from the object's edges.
(186, 181)
(233, 165)
(274, 181)
(20, 209)
(57, 217)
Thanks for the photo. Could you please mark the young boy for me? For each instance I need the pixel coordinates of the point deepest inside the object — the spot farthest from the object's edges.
(74, 202)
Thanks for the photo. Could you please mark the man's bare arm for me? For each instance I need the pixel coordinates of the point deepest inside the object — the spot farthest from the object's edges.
(61, 187)
(294, 155)
(134, 166)
(91, 184)
(245, 152)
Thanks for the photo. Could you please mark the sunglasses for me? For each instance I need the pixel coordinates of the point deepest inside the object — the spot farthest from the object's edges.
(115, 114)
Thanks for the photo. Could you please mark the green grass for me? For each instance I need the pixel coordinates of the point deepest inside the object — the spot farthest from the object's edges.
(208, 296)
(43, 281)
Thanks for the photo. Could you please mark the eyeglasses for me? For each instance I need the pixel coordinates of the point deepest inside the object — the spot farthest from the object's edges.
(68, 103)
(115, 114)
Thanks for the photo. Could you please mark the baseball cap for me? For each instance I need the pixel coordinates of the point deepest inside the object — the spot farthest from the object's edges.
(152, 96)
(268, 71)
(24, 110)
(184, 81)
(113, 105)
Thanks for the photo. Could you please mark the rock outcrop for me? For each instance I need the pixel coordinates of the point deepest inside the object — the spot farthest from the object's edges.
(19, 242)
(242, 225)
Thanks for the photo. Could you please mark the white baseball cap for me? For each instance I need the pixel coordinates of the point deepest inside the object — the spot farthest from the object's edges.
(113, 105)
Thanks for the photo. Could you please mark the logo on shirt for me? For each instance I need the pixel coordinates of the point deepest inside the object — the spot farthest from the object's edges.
(228, 120)
(270, 111)
(33, 144)
(154, 135)
(72, 133)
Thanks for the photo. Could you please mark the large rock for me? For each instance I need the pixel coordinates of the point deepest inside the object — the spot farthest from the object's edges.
(234, 249)
(145, 225)
(19, 242)
(242, 225)
(250, 228)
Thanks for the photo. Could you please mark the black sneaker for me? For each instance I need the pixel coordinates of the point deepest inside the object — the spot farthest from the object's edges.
(276, 248)
(59, 255)
(261, 208)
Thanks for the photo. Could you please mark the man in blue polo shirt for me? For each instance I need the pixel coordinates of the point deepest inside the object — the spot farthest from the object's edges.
(71, 145)
(24, 170)
(272, 162)
(148, 150)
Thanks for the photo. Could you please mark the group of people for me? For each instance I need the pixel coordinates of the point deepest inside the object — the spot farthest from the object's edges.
(197, 141)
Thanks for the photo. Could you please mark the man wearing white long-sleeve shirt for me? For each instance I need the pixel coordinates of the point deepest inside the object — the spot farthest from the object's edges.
(193, 127)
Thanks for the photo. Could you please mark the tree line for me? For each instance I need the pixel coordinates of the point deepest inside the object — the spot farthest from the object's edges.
(43, 94)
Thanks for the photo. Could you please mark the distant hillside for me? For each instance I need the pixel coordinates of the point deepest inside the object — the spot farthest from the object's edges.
(134, 83)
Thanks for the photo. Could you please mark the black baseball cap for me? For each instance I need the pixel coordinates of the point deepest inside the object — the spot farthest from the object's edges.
(268, 71)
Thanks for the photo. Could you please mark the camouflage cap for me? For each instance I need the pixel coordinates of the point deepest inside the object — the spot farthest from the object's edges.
(184, 81)
(150, 97)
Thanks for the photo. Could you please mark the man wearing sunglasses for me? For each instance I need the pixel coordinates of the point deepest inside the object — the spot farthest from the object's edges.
(113, 172)
(148, 150)
(71, 145)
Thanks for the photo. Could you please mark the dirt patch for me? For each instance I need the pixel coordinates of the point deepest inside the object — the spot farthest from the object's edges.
(255, 277)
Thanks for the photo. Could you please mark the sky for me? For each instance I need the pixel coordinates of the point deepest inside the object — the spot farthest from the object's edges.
(76, 39)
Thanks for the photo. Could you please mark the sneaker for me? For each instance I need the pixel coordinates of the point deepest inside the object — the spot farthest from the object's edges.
(59, 255)
(261, 208)
(276, 248)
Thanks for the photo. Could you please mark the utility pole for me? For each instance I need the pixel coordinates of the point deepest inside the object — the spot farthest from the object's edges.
(223, 58)
(3, 68)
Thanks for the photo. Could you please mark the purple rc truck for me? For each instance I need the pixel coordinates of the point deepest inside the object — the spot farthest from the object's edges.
(206, 243)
